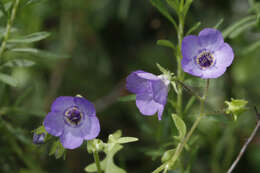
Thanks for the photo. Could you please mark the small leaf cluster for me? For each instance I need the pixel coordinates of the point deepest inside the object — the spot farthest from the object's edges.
(113, 145)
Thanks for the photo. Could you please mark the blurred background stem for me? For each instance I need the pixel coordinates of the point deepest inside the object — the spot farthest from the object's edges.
(8, 29)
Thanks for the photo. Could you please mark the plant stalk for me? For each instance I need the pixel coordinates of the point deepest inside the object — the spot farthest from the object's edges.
(8, 28)
(96, 158)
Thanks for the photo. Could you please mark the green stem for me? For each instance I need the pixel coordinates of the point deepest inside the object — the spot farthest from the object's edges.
(181, 145)
(96, 158)
(180, 76)
(8, 28)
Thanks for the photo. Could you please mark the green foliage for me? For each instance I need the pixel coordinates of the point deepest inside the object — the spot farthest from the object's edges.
(34, 37)
(128, 98)
(110, 148)
(180, 125)
(57, 150)
(8, 80)
(236, 107)
(163, 10)
(239, 26)
(166, 43)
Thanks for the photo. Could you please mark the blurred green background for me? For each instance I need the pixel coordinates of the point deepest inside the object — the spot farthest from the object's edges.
(106, 40)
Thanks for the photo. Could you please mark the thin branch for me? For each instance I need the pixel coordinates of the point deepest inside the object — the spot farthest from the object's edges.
(246, 144)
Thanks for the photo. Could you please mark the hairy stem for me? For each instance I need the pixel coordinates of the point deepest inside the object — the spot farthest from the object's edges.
(8, 28)
(180, 76)
(244, 147)
(96, 158)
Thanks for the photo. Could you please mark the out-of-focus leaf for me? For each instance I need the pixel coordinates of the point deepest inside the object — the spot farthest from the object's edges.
(194, 28)
(189, 104)
(180, 125)
(242, 28)
(39, 53)
(174, 4)
(34, 37)
(19, 63)
(237, 25)
(8, 80)
(128, 98)
(160, 6)
(29, 2)
(165, 43)
(2, 8)
(251, 48)
(219, 23)
(187, 7)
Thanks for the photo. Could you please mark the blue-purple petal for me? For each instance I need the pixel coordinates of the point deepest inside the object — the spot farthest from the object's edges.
(190, 47)
(211, 39)
(160, 91)
(190, 67)
(71, 138)
(84, 105)
(224, 56)
(62, 103)
(214, 72)
(91, 128)
(137, 84)
(54, 123)
(146, 104)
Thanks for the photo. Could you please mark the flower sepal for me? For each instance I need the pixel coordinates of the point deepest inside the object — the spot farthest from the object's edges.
(58, 150)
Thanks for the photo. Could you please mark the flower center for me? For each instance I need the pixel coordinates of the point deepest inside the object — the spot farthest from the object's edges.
(73, 116)
(205, 59)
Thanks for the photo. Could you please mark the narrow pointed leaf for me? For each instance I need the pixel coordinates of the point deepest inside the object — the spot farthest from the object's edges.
(163, 10)
(34, 37)
(165, 43)
(238, 24)
(8, 80)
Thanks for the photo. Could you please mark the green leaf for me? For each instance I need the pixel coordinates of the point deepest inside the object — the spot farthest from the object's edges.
(57, 150)
(174, 4)
(187, 7)
(242, 28)
(128, 98)
(166, 43)
(236, 107)
(194, 28)
(8, 80)
(19, 63)
(39, 53)
(40, 130)
(34, 37)
(237, 25)
(219, 23)
(2, 8)
(95, 145)
(167, 155)
(126, 140)
(108, 165)
(160, 6)
(251, 48)
(189, 104)
(180, 125)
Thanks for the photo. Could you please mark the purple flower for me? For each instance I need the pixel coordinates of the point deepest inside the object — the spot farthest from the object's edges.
(151, 91)
(206, 55)
(39, 138)
(73, 119)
